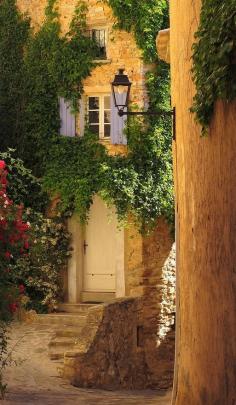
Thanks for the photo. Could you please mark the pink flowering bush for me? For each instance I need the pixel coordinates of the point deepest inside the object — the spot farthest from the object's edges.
(14, 243)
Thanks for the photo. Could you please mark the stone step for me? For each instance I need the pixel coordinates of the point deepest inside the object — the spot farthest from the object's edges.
(61, 319)
(58, 355)
(62, 341)
(69, 331)
(77, 308)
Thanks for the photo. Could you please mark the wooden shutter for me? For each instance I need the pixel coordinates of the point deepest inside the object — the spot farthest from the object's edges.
(82, 104)
(67, 119)
(117, 122)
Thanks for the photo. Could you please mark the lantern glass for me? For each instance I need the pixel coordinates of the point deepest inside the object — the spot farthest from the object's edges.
(121, 90)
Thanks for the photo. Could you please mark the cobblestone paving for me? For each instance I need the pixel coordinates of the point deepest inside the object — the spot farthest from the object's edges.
(36, 380)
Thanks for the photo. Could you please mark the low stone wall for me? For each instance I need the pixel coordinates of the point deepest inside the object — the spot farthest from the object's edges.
(107, 355)
(129, 342)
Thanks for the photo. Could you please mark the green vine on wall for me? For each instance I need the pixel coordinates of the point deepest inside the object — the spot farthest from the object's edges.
(55, 66)
(76, 169)
(36, 69)
(150, 148)
(214, 58)
(14, 32)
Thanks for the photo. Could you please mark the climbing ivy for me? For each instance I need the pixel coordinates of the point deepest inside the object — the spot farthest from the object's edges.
(55, 65)
(74, 172)
(144, 19)
(40, 67)
(141, 182)
(214, 58)
(145, 175)
(14, 31)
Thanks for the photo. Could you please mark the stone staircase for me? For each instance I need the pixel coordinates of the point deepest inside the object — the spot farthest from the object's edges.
(66, 327)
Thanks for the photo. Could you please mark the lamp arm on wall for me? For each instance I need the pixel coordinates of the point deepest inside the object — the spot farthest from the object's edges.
(172, 113)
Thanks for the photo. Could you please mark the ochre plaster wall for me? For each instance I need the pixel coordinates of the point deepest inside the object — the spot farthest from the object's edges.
(205, 182)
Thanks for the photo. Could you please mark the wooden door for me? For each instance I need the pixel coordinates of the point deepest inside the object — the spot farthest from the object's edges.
(100, 249)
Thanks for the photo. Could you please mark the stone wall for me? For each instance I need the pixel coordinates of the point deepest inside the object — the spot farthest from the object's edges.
(129, 342)
(122, 51)
(133, 343)
(111, 351)
(150, 273)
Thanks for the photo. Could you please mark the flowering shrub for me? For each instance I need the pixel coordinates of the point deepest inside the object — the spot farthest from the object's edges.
(14, 243)
(42, 270)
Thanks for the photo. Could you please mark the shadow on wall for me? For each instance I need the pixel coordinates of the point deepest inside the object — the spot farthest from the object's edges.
(129, 342)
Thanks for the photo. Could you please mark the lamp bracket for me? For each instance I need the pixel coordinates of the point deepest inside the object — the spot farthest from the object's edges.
(159, 113)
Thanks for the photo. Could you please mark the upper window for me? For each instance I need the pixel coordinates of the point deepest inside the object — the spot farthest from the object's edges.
(99, 115)
(100, 37)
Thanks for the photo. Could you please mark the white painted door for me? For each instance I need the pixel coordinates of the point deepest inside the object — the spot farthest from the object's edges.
(101, 249)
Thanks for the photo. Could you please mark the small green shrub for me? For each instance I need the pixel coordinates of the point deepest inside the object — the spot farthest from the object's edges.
(41, 271)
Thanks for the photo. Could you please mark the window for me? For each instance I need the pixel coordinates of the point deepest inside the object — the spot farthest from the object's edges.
(100, 37)
(99, 115)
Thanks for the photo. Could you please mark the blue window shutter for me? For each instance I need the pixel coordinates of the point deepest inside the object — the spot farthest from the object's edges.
(118, 123)
(81, 116)
(68, 127)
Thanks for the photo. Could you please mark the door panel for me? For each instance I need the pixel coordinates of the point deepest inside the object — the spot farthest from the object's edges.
(100, 249)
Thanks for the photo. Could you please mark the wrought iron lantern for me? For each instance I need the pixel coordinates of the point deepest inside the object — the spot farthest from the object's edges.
(121, 85)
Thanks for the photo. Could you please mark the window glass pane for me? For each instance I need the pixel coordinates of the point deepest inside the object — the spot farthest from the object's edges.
(107, 130)
(94, 129)
(107, 117)
(93, 103)
(93, 117)
(107, 103)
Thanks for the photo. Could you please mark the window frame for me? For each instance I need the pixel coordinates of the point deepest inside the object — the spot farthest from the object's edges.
(101, 123)
(106, 31)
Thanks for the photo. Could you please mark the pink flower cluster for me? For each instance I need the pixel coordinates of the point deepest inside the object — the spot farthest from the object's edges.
(14, 237)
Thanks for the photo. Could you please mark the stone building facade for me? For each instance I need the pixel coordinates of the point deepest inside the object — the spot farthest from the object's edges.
(133, 276)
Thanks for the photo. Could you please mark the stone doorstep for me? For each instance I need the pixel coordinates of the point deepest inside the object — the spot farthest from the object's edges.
(71, 331)
(61, 319)
(77, 308)
(62, 341)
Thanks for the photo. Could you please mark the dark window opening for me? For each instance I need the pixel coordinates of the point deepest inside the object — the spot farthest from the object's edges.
(100, 37)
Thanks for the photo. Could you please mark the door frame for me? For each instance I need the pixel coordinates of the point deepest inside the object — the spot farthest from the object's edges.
(76, 293)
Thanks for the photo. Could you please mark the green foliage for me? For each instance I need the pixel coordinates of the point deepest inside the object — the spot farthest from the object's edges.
(41, 267)
(141, 182)
(23, 188)
(214, 58)
(55, 66)
(14, 31)
(40, 67)
(144, 19)
(74, 172)
(42, 270)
